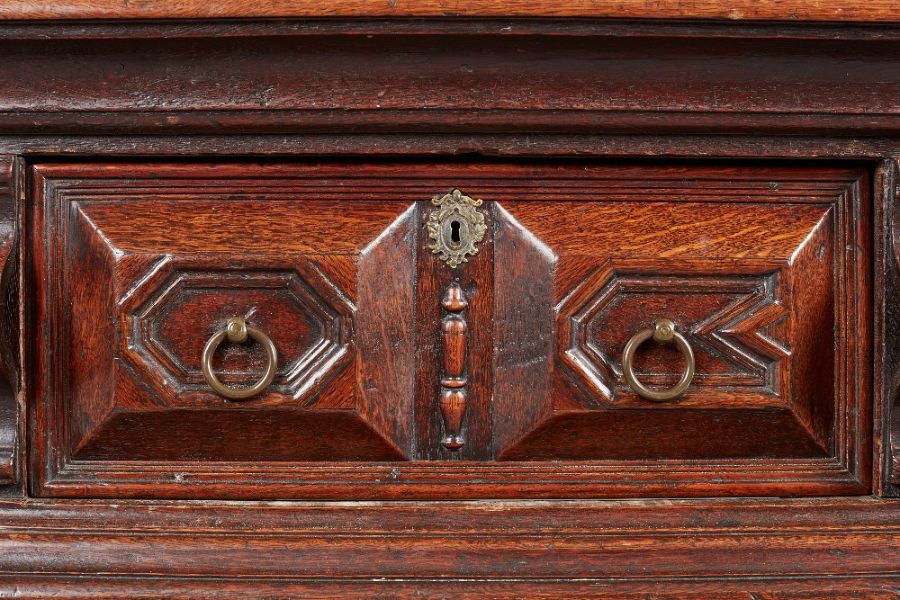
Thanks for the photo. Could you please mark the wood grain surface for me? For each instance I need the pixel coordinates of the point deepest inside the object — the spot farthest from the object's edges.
(10, 181)
(770, 10)
(720, 88)
(829, 548)
(762, 430)
(470, 80)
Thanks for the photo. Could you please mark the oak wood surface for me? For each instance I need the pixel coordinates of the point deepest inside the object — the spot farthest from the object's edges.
(797, 437)
(10, 182)
(169, 286)
(579, 246)
(678, 549)
(890, 420)
(476, 80)
(815, 96)
(770, 10)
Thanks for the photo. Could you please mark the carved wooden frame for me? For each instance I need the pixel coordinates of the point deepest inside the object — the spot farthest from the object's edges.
(844, 472)
(622, 549)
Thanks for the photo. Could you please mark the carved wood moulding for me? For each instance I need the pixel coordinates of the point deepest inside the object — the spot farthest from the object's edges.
(778, 407)
(813, 548)
(736, 10)
(551, 271)
(10, 185)
(473, 78)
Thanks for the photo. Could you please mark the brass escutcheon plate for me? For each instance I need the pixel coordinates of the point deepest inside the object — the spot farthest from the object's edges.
(456, 228)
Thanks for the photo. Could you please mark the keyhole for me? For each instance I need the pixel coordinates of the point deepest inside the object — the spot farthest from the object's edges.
(454, 231)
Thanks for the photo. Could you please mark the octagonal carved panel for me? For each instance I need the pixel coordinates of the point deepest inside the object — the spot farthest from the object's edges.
(177, 307)
(735, 324)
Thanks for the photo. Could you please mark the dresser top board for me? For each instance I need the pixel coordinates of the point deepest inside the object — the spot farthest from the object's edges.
(855, 11)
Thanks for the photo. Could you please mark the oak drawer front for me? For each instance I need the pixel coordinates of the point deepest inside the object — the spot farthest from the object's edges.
(764, 271)
(754, 287)
(765, 274)
(140, 273)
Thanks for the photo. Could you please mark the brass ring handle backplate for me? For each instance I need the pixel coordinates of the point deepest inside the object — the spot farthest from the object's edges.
(237, 331)
(663, 332)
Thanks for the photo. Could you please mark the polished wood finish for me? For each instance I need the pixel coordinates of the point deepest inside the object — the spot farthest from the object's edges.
(475, 281)
(768, 309)
(742, 295)
(738, 131)
(454, 331)
(475, 78)
(644, 549)
(10, 185)
(621, 247)
(313, 282)
(770, 10)
(890, 267)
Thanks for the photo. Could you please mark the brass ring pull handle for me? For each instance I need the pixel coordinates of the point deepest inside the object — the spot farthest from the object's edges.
(237, 331)
(663, 332)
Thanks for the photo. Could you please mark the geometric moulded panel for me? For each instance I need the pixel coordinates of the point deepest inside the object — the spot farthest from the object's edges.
(736, 326)
(137, 286)
(310, 328)
(763, 269)
(764, 274)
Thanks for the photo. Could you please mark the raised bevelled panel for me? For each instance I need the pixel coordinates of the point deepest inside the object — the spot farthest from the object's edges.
(755, 303)
(177, 307)
(143, 272)
(523, 331)
(735, 324)
(801, 227)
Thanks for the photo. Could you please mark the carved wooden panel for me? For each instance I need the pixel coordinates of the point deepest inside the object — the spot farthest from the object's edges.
(736, 326)
(144, 264)
(762, 268)
(765, 274)
(310, 328)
